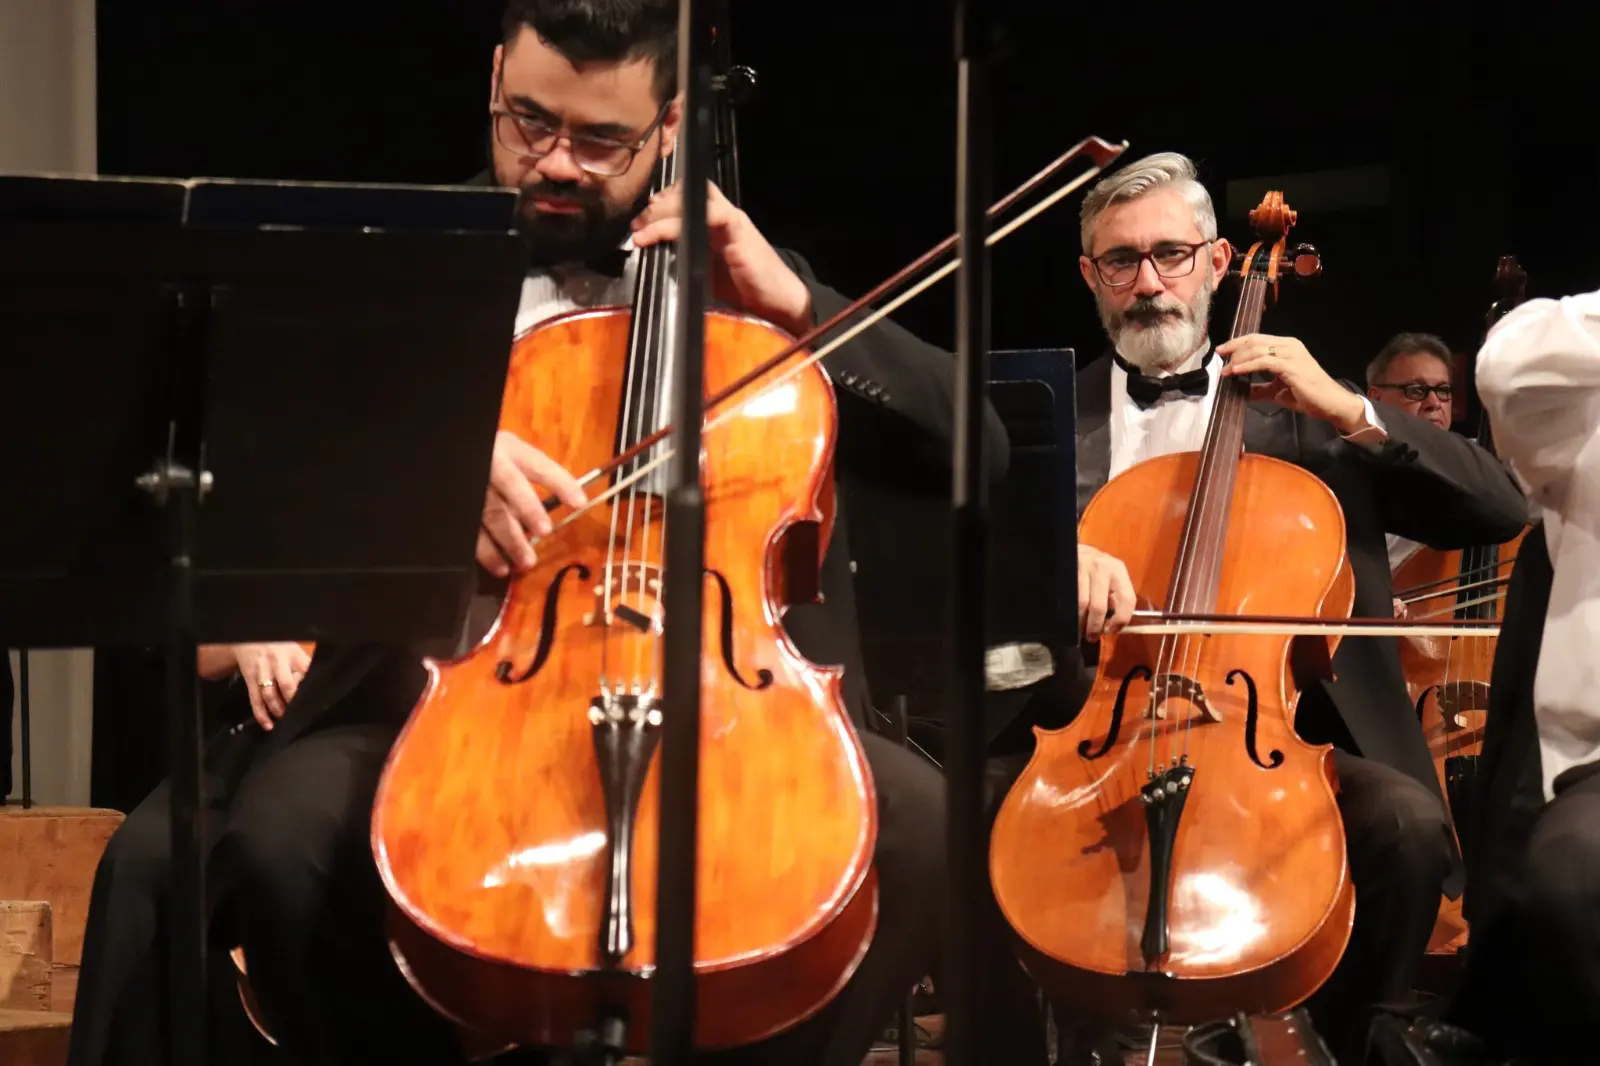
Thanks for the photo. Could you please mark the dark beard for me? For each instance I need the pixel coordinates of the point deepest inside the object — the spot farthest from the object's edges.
(555, 239)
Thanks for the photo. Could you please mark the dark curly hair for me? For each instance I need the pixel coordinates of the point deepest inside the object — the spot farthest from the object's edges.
(604, 31)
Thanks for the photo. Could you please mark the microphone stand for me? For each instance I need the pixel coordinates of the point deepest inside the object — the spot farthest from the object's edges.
(673, 994)
(967, 826)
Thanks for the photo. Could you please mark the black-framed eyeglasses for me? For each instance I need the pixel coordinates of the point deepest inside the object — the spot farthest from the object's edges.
(1171, 259)
(1417, 391)
(534, 138)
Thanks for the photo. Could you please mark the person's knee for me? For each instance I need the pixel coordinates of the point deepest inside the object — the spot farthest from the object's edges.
(911, 821)
(1561, 888)
(1409, 837)
(139, 853)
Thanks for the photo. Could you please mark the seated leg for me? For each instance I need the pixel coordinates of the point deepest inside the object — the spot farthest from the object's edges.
(1536, 993)
(120, 1012)
(1399, 844)
(311, 910)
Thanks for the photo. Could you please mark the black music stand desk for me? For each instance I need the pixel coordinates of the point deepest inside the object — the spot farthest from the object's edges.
(243, 411)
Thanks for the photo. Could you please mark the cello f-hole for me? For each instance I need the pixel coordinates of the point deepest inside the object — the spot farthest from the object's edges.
(1138, 672)
(1252, 719)
(763, 676)
(547, 628)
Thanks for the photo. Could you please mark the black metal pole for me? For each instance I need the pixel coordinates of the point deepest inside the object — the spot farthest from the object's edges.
(969, 538)
(673, 994)
(177, 483)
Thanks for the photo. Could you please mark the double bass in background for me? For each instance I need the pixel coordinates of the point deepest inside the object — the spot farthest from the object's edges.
(1448, 677)
(1175, 853)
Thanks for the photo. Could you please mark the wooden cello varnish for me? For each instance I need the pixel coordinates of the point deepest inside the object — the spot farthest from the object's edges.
(1176, 852)
(516, 823)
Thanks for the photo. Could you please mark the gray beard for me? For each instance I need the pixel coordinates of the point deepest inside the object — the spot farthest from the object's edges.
(1163, 344)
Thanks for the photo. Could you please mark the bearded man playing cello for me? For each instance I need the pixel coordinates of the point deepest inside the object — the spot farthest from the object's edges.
(1153, 259)
(583, 103)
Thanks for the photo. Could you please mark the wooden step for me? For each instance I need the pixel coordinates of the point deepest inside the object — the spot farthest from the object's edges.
(50, 854)
(25, 955)
(34, 1037)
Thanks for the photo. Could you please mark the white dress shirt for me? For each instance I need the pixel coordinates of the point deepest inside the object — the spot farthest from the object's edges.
(1539, 377)
(557, 290)
(1177, 423)
(1400, 549)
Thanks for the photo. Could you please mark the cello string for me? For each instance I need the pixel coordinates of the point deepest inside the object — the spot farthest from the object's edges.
(1454, 590)
(647, 656)
(1198, 543)
(633, 401)
(641, 394)
(1448, 586)
(1213, 499)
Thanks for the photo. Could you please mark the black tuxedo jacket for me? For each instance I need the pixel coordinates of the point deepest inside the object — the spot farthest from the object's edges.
(1424, 483)
(1509, 792)
(896, 396)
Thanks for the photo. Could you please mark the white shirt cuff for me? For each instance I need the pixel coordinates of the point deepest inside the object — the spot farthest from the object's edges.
(1372, 435)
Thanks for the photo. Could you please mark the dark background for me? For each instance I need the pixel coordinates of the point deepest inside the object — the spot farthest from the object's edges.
(1418, 148)
(1476, 117)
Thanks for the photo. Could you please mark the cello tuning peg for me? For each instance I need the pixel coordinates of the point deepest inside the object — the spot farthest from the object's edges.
(739, 83)
(1305, 261)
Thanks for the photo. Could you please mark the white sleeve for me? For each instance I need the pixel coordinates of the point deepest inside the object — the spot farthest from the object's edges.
(1539, 377)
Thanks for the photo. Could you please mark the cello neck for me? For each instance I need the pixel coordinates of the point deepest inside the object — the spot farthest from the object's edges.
(1197, 571)
(646, 392)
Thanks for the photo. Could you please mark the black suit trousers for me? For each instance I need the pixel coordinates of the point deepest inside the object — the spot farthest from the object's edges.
(1531, 985)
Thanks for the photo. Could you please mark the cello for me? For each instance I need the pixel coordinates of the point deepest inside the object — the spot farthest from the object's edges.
(516, 822)
(1175, 852)
(1448, 679)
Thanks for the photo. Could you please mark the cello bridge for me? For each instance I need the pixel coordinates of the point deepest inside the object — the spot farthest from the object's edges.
(1177, 686)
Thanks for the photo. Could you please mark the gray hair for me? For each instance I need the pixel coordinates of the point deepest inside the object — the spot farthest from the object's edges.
(1153, 172)
(1408, 344)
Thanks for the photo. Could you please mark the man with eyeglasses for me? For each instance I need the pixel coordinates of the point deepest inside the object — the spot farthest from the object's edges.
(1153, 259)
(583, 104)
(1412, 373)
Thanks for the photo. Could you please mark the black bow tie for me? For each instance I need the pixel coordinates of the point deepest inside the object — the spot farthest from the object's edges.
(1145, 390)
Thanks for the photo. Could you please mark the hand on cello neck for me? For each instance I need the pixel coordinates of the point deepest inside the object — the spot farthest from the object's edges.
(1298, 380)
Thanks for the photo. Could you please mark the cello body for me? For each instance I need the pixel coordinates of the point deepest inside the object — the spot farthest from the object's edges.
(1260, 898)
(515, 826)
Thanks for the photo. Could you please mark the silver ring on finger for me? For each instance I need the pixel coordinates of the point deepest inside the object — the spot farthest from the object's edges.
(268, 684)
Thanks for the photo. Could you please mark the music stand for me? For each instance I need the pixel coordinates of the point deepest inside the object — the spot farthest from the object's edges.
(248, 411)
